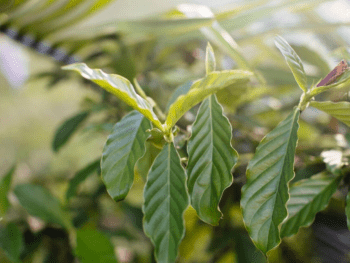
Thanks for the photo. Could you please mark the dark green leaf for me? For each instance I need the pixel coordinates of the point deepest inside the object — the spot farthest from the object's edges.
(293, 61)
(39, 202)
(123, 148)
(265, 194)
(166, 199)
(211, 159)
(11, 241)
(307, 197)
(67, 129)
(93, 246)
(5, 183)
(80, 176)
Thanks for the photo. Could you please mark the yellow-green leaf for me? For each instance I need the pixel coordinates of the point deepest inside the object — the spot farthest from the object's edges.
(339, 110)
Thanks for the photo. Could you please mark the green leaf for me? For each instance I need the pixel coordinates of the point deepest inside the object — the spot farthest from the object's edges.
(123, 148)
(180, 90)
(265, 194)
(308, 197)
(5, 183)
(80, 176)
(201, 89)
(94, 246)
(145, 162)
(293, 61)
(118, 86)
(166, 199)
(39, 202)
(339, 110)
(210, 63)
(11, 241)
(211, 159)
(347, 209)
(67, 129)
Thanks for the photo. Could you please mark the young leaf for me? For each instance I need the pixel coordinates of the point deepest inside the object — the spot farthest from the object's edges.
(39, 202)
(11, 241)
(93, 246)
(201, 89)
(308, 197)
(123, 148)
(293, 61)
(211, 159)
(66, 130)
(181, 90)
(339, 110)
(5, 183)
(118, 86)
(166, 199)
(80, 177)
(265, 194)
(210, 63)
(347, 209)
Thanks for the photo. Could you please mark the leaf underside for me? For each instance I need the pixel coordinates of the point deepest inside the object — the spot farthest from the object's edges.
(211, 159)
(307, 197)
(124, 146)
(339, 110)
(265, 194)
(165, 200)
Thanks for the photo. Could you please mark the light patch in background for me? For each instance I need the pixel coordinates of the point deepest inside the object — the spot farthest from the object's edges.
(13, 63)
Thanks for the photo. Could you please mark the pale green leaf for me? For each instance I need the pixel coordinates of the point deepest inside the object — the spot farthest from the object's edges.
(211, 159)
(265, 194)
(80, 176)
(11, 242)
(94, 246)
(293, 61)
(339, 110)
(5, 183)
(308, 197)
(201, 89)
(210, 63)
(39, 202)
(123, 148)
(166, 199)
(118, 86)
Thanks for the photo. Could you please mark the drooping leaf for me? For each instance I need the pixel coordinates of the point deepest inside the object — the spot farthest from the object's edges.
(166, 199)
(118, 86)
(123, 148)
(293, 61)
(307, 197)
(39, 202)
(211, 159)
(80, 176)
(94, 246)
(5, 183)
(11, 242)
(265, 194)
(210, 63)
(67, 129)
(339, 110)
(201, 89)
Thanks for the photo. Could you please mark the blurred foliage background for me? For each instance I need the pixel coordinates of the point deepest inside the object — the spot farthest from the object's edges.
(162, 45)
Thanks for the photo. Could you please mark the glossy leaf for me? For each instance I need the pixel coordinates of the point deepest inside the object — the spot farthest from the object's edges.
(293, 61)
(11, 241)
(347, 209)
(39, 202)
(166, 199)
(94, 246)
(339, 110)
(67, 129)
(80, 176)
(5, 183)
(210, 63)
(123, 148)
(211, 159)
(118, 86)
(265, 194)
(308, 197)
(201, 89)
